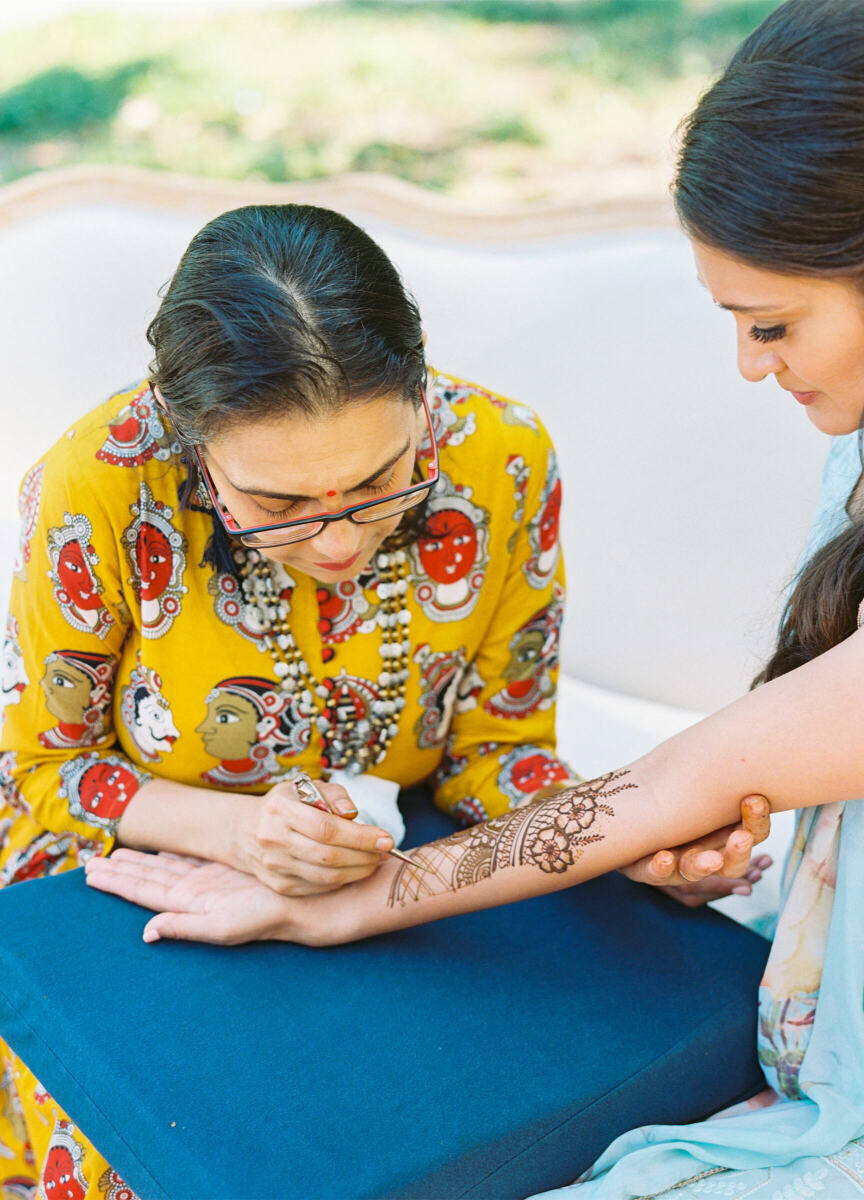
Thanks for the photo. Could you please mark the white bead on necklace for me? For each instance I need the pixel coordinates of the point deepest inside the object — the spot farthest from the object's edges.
(348, 744)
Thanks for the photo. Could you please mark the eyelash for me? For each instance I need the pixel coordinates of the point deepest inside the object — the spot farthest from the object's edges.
(772, 333)
(286, 512)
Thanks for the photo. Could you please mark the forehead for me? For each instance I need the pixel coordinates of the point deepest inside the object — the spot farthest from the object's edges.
(306, 454)
(738, 285)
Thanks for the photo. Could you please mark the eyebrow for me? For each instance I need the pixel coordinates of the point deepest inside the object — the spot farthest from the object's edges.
(257, 491)
(742, 308)
(751, 308)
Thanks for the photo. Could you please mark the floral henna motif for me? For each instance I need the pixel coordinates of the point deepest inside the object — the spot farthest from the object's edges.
(549, 833)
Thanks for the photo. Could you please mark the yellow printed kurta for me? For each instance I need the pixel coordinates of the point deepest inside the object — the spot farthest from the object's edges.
(127, 659)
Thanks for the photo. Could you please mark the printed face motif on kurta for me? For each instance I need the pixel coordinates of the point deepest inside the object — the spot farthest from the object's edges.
(98, 789)
(543, 530)
(452, 552)
(47, 855)
(77, 689)
(138, 433)
(13, 679)
(147, 714)
(77, 587)
(62, 1174)
(450, 685)
(250, 724)
(344, 611)
(526, 769)
(157, 554)
(452, 420)
(533, 655)
(232, 609)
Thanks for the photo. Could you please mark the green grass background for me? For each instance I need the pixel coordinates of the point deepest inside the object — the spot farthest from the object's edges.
(499, 103)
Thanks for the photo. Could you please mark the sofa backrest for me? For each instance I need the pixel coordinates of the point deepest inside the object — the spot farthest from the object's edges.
(687, 493)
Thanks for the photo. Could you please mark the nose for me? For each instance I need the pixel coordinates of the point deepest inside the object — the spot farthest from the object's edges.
(338, 541)
(756, 362)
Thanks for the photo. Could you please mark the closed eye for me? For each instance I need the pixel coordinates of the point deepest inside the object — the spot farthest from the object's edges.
(285, 513)
(769, 333)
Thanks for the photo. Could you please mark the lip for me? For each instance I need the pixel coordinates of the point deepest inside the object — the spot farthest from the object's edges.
(804, 398)
(337, 566)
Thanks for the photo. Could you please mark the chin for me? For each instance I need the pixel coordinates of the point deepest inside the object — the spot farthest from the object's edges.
(834, 424)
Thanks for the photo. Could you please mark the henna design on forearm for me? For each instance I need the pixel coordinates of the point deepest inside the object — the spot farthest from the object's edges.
(547, 833)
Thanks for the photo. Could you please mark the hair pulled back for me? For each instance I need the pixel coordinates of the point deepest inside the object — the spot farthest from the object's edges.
(281, 309)
(277, 310)
(771, 171)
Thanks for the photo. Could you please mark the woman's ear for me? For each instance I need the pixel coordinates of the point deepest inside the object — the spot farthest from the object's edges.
(424, 337)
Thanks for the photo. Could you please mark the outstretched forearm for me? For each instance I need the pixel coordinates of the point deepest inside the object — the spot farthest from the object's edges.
(796, 740)
(203, 822)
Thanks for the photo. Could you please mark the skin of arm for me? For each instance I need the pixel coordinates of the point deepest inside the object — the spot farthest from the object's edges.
(796, 740)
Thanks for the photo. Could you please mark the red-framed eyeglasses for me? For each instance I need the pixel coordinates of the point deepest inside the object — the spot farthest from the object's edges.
(283, 533)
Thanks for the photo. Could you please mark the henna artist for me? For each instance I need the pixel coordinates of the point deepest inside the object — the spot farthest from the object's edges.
(770, 190)
(293, 546)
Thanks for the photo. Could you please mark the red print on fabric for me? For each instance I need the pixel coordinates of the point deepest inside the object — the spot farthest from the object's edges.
(232, 608)
(28, 510)
(449, 684)
(516, 414)
(97, 790)
(13, 676)
(343, 612)
(77, 588)
(347, 734)
(157, 555)
(470, 811)
(541, 566)
(527, 769)
(147, 714)
(451, 553)
(249, 722)
(9, 793)
(18, 1187)
(451, 427)
(77, 687)
(114, 1187)
(46, 855)
(533, 656)
(62, 1177)
(138, 434)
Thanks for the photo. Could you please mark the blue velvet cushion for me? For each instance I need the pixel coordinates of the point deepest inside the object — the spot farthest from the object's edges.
(490, 1055)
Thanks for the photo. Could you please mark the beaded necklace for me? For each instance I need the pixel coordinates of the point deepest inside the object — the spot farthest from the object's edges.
(348, 744)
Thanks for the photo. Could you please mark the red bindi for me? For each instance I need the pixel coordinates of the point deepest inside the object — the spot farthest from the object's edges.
(329, 493)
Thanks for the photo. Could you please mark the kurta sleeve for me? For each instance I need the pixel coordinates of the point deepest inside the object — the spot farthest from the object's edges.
(61, 769)
(501, 746)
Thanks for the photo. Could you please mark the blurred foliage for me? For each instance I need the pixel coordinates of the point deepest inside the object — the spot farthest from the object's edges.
(65, 100)
(497, 102)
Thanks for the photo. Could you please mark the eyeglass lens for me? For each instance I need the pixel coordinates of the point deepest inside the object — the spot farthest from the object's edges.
(365, 516)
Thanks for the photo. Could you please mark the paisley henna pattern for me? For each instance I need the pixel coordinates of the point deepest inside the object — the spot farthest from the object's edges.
(548, 833)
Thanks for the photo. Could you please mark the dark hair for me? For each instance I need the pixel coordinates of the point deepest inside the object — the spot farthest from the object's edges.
(771, 171)
(278, 309)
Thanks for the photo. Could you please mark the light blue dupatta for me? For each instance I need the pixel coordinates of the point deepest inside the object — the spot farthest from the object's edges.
(811, 1019)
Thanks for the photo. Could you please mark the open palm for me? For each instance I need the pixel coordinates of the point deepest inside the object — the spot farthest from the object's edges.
(195, 900)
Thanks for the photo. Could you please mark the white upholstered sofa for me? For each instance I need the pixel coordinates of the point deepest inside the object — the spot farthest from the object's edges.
(688, 494)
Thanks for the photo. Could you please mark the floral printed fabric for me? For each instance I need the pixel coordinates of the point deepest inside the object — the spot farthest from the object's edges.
(124, 659)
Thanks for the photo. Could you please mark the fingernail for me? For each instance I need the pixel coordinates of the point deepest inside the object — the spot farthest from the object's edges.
(384, 843)
(345, 808)
(741, 891)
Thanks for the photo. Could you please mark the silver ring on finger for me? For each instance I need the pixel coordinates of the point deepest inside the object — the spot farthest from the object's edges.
(307, 790)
